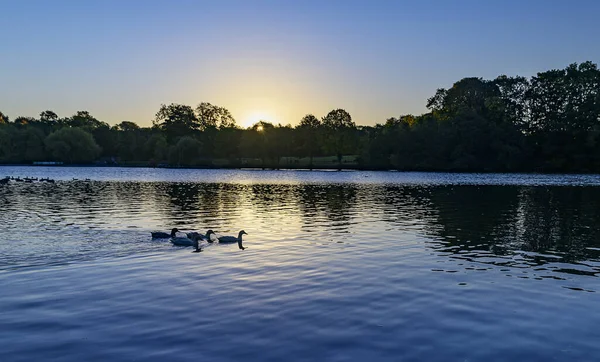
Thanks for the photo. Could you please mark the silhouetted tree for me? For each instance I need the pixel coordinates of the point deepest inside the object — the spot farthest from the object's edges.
(211, 116)
(227, 143)
(107, 138)
(48, 117)
(3, 119)
(257, 141)
(308, 130)
(467, 95)
(32, 140)
(339, 131)
(280, 142)
(127, 126)
(23, 121)
(564, 110)
(186, 152)
(515, 103)
(157, 148)
(5, 145)
(84, 119)
(72, 145)
(211, 120)
(176, 120)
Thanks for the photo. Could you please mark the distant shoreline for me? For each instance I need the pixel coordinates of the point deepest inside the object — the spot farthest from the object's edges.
(478, 125)
(287, 168)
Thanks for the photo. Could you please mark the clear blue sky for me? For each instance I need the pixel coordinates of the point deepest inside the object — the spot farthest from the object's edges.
(278, 60)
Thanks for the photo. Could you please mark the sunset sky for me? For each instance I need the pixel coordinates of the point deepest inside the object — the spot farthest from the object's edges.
(275, 60)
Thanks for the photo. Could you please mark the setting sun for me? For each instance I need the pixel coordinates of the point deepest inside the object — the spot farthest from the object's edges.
(253, 117)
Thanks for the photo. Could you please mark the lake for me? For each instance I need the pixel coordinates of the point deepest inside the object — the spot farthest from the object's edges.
(339, 266)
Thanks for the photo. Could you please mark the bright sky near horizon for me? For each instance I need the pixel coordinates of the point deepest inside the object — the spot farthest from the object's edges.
(275, 60)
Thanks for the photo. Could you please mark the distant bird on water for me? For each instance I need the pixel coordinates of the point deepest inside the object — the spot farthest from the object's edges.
(226, 239)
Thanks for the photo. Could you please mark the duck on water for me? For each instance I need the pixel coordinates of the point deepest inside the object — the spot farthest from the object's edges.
(163, 235)
(191, 239)
(226, 239)
(188, 241)
(174, 235)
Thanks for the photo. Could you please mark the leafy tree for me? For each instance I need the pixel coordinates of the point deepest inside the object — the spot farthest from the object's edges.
(340, 131)
(33, 145)
(23, 121)
(176, 120)
(48, 117)
(127, 145)
(263, 132)
(211, 116)
(280, 142)
(212, 119)
(156, 148)
(515, 104)
(3, 119)
(227, 143)
(382, 145)
(186, 152)
(425, 148)
(467, 95)
(564, 111)
(308, 130)
(127, 126)
(72, 145)
(478, 144)
(106, 137)
(437, 103)
(582, 109)
(258, 141)
(5, 145)
(84, 119)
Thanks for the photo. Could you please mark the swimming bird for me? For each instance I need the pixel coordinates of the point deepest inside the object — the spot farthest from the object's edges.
(162, 235)
(195, 234)
(226, 239)
(190, 239)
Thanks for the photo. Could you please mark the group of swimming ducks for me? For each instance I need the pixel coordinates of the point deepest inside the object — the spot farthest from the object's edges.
(193, 238)
(6, 179)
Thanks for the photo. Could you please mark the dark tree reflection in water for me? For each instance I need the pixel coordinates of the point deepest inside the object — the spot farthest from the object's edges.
(519, 226)
(563, 220)
(540, 224)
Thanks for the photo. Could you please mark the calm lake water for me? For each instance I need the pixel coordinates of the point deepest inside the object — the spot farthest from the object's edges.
(340, 266)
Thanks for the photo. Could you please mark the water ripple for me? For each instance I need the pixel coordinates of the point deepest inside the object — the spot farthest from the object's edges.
(396, 267)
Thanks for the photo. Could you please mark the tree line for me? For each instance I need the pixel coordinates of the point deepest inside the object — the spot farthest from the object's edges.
(547, 123)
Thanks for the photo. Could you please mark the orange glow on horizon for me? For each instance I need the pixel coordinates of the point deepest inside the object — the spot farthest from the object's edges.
(251, 118)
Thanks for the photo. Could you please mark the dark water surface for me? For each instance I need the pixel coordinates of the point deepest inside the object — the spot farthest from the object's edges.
(340, 266)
